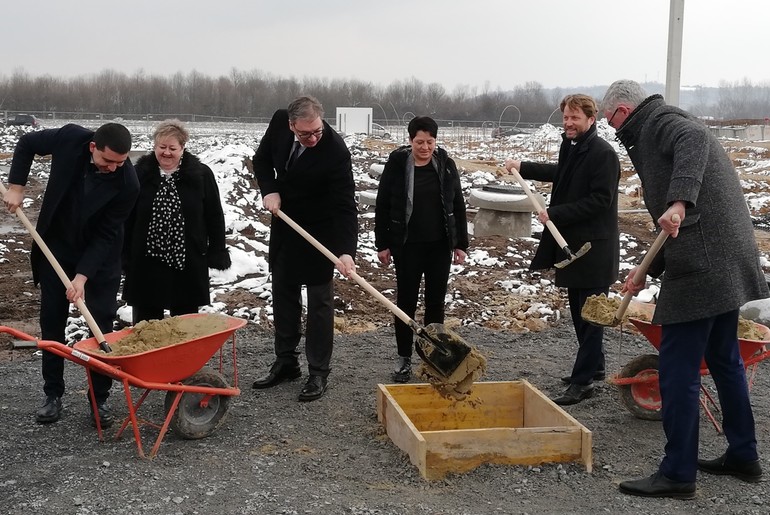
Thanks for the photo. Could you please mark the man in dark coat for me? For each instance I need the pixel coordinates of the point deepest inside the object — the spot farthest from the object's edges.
(711, 265)
(91, 190)
(303, 168)
(584, 208)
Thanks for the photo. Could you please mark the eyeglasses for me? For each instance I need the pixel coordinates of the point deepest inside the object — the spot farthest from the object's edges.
(309, 134)
(609, 122)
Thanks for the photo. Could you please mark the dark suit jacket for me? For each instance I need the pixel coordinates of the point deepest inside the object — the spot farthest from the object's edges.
(103, 210)
(584, 208)
(318, 193)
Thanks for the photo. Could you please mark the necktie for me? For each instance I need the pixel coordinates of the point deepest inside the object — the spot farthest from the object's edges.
(294, 155)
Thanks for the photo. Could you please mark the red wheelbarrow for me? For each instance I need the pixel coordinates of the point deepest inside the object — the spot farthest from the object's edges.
(197, 396)
(638, 380)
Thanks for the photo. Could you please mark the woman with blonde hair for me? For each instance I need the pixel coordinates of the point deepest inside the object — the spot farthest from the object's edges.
(176, 231)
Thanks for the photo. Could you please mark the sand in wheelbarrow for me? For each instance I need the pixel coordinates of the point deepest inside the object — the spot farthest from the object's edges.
(601, 310)
(154, 334)
(459, 384)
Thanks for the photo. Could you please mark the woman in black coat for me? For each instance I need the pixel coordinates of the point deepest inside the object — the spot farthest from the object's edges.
(419, 223)
(176, 231)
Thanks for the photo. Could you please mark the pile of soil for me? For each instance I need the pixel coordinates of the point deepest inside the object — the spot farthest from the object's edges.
(155, 334)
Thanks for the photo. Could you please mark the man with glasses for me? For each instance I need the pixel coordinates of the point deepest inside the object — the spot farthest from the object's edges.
(710, 268)
(303, 168)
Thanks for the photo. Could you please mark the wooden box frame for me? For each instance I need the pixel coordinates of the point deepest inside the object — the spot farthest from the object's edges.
(501, 422)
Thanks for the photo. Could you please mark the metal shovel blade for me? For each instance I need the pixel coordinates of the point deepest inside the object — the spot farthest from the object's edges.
(573, 256)
(440, 349)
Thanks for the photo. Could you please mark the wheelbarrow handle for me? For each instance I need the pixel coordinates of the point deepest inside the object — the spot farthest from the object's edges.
(60, 272)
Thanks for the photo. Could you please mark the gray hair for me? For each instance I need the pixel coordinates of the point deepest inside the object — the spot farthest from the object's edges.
(174, 128)
(624, 91)
(305, 108)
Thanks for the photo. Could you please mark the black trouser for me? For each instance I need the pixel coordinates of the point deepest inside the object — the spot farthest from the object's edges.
(287, 318)
(590, 355)
(682, 349)
(416, 260)
(100, 298)
(140, 313)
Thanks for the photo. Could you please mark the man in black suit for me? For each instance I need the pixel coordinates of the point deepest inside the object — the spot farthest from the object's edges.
(91, 190)
(584, 207)
(303, 168)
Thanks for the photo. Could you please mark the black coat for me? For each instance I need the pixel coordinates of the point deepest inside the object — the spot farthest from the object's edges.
(102, 211)
(584, 208)
(318, 193)
(152, 283)
(390, 211)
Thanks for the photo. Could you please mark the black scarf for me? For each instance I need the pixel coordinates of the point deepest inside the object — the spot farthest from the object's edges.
(165, 237)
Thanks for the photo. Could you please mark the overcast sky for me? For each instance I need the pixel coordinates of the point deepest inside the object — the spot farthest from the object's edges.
(498, 43)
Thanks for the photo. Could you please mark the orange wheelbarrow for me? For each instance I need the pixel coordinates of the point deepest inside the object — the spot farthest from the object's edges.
(197, 396)
(638, 380)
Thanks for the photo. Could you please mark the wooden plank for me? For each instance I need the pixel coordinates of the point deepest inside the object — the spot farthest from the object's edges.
(400, 429)
(491, 404)
(460, 451)
(540, 411)
(462, 435)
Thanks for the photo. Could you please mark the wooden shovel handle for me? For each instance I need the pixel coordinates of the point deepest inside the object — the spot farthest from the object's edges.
(641, 270)
(357, 278)
(58, 269)
(538, 209)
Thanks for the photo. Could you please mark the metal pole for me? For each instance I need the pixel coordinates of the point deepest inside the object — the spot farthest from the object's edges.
(674, 62)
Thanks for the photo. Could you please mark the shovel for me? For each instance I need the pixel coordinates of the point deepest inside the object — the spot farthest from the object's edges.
(445, 354)
(641, 273)
(81, 305)
(571, 256)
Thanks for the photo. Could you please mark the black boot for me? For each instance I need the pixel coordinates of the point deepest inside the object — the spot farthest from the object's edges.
(403, 371)
(50, 411)
(574, 394)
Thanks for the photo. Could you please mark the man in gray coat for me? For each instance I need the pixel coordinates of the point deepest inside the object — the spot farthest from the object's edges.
(711, 269)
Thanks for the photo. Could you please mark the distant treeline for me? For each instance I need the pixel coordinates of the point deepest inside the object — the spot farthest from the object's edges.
(255, 94)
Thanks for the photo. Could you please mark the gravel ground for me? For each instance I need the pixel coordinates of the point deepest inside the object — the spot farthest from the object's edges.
(276, 455)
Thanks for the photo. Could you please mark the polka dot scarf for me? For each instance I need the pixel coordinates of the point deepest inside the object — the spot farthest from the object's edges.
(165, 238)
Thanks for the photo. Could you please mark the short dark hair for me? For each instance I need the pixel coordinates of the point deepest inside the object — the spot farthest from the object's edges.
(422, 123)
(306, 108)
(113, 135)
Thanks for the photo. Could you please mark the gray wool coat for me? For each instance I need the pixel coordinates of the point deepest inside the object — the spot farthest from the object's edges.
(712, 267)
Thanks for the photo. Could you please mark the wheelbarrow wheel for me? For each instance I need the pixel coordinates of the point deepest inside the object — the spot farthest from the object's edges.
(642, 399)
(192, 420)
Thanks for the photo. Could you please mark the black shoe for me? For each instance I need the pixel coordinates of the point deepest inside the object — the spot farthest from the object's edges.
(50, 411)
(279, 373)
(105, 415)
(658, 485)
(403, 371)
(314, 389)
(750, 471)
(574, 394)
(599, 376)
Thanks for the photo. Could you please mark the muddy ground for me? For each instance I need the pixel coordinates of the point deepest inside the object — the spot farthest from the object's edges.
(276, 455)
